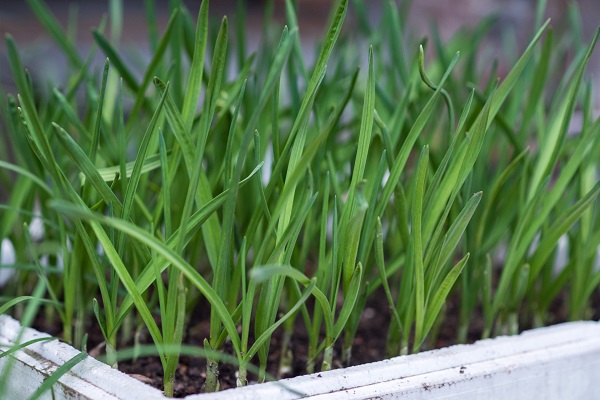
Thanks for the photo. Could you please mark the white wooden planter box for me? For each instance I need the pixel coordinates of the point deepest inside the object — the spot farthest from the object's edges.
(558, 362)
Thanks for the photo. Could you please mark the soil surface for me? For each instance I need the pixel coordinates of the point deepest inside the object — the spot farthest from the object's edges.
(369, 344)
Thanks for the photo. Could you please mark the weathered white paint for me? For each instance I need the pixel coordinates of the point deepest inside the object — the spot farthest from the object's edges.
(557, 362)
(90, 379)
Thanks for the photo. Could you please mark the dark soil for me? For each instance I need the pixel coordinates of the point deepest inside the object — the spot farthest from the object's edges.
(369, 344)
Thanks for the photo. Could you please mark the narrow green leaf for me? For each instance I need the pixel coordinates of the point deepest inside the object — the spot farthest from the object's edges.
(56, 375)
(49, 21)
(88, 169)
(13, 302)
(266, 335)
(417, 215)
(434, 307)
(364, 139)
(351, 295)
(451, 239)
(511, 79)
(16, 347)
(264, 273)
(380, 260)
(194, 84)
(136, 172)
(25, 173)
(117, 62)
(98, 124)
(563, 223)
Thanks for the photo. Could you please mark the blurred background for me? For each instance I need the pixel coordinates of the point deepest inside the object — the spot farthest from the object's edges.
(514, 17)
